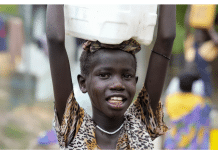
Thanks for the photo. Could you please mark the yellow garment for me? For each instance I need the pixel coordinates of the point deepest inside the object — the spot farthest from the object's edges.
(214, 139)
(180, 104)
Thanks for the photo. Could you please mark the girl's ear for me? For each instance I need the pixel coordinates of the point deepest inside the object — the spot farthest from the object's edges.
(136, 79)
(81, 80)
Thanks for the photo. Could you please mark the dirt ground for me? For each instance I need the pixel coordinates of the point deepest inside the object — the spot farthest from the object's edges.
(20, 126)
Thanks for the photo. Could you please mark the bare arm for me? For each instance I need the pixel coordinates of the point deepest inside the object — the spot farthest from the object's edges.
(213, 35)
(186, 22)
(157, 67)
(59, 63)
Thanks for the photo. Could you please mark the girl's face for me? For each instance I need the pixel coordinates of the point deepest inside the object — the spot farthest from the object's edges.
(111, 83)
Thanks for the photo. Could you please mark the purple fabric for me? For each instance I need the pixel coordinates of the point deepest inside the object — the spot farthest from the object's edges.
(195, 121)
(49, 138)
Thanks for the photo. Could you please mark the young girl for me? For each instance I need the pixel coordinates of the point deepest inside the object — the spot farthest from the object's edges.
(108, 74)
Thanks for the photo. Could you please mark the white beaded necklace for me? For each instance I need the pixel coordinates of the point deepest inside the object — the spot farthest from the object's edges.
(109, 132)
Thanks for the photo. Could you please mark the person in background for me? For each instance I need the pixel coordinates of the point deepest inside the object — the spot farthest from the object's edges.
(201, 46)
(189, 116)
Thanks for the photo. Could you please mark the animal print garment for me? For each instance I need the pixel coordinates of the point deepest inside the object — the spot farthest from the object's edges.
(141, 126)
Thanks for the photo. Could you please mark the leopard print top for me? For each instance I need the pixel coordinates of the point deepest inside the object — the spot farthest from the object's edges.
(141, 126)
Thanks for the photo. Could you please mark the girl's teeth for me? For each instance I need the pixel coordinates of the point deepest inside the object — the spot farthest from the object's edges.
(116, 98)
(115, 102)
(119, 99)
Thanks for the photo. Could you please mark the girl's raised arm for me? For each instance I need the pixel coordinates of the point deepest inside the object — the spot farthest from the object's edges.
(59, 63)
(158, 62)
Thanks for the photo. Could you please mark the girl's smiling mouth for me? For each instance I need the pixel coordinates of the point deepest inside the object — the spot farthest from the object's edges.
(116, 102)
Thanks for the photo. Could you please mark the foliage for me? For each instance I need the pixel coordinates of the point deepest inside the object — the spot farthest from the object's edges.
(10, 9)
(14, 132)
(180, 29)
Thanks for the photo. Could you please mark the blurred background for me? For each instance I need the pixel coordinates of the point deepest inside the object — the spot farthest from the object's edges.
(26, 92)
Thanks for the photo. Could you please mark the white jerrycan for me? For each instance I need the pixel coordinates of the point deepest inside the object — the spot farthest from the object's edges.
(111, 24)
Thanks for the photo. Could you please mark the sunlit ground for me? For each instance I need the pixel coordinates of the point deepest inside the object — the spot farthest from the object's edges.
(21, 125)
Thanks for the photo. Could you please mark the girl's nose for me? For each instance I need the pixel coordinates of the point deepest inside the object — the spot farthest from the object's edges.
(117, 85)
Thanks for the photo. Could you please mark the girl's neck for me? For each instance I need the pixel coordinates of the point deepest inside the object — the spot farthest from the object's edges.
(105, 122)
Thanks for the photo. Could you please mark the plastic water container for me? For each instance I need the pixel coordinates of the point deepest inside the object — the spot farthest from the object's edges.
(111, 24)
(202, 16)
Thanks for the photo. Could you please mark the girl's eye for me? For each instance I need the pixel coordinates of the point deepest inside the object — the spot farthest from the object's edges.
(127, 76)
(104, 75)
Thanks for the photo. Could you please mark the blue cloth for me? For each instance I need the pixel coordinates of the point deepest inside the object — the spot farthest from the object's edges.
(203, 69)
(2, 35)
